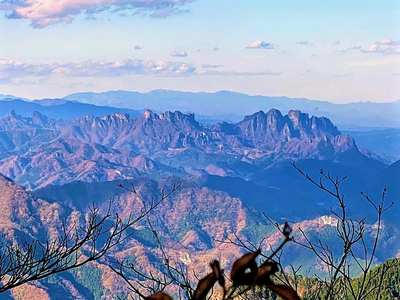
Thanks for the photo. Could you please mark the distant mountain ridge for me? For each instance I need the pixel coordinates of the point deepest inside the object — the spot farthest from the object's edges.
(363, 121)
(57, 108)
(383, 142)
(228, 105)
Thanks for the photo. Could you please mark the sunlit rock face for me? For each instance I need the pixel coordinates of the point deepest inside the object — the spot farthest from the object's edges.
(38, 151)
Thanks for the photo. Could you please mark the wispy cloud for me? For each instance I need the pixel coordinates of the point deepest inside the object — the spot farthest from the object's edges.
(350, 49)
(237, 73)
(342, 75)
(14, 71)
(10, 70)
(385, 47)
(260, 45)
(305, 43)
(211, 66)
(179, 54)
(42, 13)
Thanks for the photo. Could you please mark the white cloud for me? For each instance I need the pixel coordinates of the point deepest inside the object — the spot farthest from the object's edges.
(350, 49)
(237, 73)
(179, 54)
(42, 13)
(260, 45)
(11, 70)
(14, 71)
(385, 47)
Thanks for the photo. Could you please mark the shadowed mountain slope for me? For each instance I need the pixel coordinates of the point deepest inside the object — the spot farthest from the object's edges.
(37, 151)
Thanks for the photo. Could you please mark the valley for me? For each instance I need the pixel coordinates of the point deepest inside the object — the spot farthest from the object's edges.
(233, 175)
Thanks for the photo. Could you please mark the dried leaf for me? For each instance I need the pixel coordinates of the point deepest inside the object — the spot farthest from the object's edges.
(239, 276)
(265, 271)
(204, 287)
(283, 291)
(159, 296)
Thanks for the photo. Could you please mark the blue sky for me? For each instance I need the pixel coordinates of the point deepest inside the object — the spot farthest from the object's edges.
(336, 50)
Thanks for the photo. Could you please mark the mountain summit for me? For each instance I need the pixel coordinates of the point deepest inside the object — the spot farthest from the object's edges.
(109, 147)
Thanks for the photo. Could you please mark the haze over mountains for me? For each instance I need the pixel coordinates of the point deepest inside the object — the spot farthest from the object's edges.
(375, 126)
(57, 108)
(231, 106)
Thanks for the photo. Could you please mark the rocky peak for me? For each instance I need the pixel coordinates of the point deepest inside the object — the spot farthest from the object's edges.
(314, 125)
(39, 119)
(256, 117)
(108, 121)
(116, 119)
(13, 114)
(260, 118)
(14, 121)
(176, 119)
(297, 117)
(274, 120)
(324, 124)
(260, 125)
(179, 117)
(298, 124)
(150, 115)
(254, 124)
(296, 130)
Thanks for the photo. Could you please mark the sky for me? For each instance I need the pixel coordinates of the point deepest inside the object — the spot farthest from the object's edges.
(341, 51)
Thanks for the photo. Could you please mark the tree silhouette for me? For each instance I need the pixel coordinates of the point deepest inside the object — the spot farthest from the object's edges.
(76, 246)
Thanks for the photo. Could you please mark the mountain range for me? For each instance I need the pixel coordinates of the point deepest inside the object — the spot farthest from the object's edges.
(231, 173)
(39, 150)
(372, 125)
(384, 142)
(251, 159)
(211, 106)
(57, 108)
(227, 105)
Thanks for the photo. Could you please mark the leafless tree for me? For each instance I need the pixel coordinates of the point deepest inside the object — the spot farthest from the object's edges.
(287, 275)
(75, 246)
(359, 245)
(247, 276)
(174, 275)
(352, 235)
